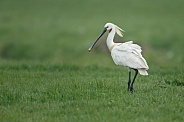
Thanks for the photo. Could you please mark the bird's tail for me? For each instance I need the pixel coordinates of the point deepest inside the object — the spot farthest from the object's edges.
(143, 71)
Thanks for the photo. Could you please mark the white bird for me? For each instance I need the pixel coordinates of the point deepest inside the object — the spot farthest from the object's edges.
(124, 54)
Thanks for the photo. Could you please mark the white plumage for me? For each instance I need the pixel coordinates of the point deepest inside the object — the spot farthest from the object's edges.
(129, 55)
(124, 54)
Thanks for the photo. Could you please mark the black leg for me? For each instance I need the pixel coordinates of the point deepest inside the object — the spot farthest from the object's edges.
(129, 79)
(131, 86)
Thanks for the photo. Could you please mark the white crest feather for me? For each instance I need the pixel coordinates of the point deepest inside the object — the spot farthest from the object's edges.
(119, 31)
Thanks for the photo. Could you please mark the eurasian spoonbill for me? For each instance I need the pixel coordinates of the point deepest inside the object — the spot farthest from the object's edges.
(124, 54)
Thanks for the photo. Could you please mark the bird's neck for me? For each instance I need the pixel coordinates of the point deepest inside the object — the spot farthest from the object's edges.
(110, 37)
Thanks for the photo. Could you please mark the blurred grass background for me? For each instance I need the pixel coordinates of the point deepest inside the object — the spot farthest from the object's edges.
(61, 31)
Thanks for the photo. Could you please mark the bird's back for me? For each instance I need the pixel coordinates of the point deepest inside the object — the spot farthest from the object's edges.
(129, 55)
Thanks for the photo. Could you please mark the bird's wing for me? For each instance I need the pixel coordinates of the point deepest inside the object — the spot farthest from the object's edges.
(129, 54)
(135, 46)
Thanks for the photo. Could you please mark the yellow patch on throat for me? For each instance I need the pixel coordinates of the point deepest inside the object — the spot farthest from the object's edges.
(110, 49)
(110, 30)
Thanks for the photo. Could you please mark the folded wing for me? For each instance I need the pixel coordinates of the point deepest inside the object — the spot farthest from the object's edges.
(129, 55)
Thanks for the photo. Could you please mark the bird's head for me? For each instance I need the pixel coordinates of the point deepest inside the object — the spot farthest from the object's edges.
(108, 27)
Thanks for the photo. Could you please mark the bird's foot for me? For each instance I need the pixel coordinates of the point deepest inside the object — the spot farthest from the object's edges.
(131, 89)
(128, 88)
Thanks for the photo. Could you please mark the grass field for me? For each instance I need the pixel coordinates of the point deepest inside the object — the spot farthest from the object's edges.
(47, 74)
(47, 92)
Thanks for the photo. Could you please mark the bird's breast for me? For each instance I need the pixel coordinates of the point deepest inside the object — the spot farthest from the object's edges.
(112, 46)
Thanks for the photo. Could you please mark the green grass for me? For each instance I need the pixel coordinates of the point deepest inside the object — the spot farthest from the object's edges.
(54, 92)
(47, 74)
